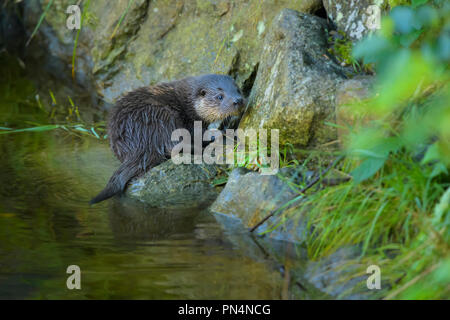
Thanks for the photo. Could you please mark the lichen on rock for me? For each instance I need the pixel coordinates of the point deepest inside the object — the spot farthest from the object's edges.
(355, 18)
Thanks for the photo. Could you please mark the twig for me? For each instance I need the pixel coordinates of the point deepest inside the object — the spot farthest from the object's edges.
(280, 267)
(311, 184)
(283, 272)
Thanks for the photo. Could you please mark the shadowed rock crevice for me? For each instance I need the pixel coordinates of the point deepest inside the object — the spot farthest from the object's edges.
(247, 86)
(320, 12)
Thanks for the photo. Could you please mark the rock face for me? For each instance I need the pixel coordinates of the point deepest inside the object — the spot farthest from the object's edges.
(156, 40)
(52, 48)
(355, 17)
(295, 87)
(175, 185)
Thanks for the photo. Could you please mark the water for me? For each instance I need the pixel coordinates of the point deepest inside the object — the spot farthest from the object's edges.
(125, 250)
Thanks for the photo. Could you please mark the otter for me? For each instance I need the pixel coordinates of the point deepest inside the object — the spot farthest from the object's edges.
(141, 123)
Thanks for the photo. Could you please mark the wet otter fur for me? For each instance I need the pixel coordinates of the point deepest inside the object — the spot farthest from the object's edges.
(141, 123)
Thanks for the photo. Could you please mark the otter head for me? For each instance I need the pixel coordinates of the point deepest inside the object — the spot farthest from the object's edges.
(217, 97)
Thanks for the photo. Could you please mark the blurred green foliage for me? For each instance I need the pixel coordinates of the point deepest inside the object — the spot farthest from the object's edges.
(397, 206)
(406, 145)
(410, 108)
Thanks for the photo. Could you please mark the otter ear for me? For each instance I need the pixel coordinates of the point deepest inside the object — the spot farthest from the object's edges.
(202, 92)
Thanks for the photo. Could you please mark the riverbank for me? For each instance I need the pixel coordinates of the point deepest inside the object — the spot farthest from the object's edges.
(380, 106)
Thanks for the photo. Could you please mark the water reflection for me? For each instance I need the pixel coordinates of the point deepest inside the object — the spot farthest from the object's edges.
(124, 249)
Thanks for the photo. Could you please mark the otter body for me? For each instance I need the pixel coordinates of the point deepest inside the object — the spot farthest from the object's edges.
(141, 123)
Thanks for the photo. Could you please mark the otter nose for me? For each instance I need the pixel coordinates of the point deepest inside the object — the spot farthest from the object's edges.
(238, 101)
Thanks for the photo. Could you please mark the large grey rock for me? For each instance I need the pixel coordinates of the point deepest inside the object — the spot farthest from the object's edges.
(175, 185)
(295, 87)
(355, 17)
(249, 197)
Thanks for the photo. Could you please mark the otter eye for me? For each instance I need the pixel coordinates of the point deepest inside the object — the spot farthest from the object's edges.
(220, 97)
(203, 92)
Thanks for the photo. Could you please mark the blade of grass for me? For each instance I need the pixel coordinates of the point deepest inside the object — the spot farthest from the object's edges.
(74, 52)
(35, 129)
(130, 2)
(372, 227)
(53, 97)
(95, 133)
(41, 18)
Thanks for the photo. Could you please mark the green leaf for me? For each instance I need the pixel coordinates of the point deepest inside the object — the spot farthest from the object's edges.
(416, 3)
(404, 19)
(427, 15)
(431, 154)
(372, 49)
(409, 39)
(369, 154)
(438, 168)
(367, 169)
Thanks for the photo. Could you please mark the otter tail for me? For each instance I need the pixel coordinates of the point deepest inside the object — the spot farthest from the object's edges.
(117, 183)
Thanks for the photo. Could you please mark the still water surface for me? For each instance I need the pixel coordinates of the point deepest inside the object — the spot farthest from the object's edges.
(124, 249)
